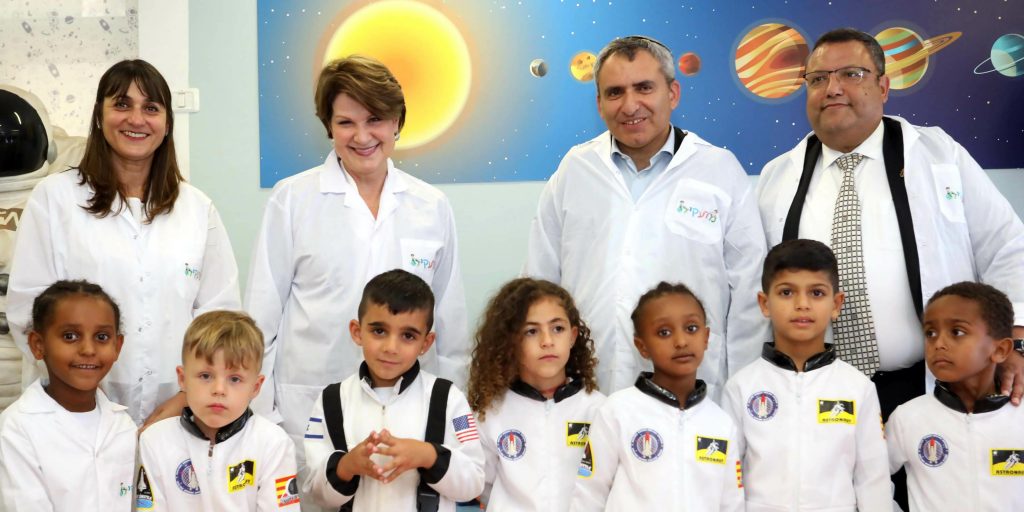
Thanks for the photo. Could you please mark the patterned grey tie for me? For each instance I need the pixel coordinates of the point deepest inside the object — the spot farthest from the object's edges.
(854, 332)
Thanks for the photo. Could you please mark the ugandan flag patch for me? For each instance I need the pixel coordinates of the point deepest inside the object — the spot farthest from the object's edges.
(837, 411)
(712, 450)
(1008, 462)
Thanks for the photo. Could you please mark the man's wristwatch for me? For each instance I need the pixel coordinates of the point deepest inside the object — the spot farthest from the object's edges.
(1018, 345)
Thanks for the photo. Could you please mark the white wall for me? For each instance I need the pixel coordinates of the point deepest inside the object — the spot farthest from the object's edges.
(493, 218)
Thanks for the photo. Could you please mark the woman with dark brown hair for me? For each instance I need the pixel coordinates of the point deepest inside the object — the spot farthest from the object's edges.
(126, 220)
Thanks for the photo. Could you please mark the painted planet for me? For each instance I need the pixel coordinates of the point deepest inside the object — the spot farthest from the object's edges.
(906, 54)
(689, 64)
(538, 68)
(582, 66)
(770, 60)
(1006, 57)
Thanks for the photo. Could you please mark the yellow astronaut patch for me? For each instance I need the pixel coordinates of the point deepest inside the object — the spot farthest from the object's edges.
(1008, 462)
(712, 450)
(837, 411)
(576, 433)
(241, 475)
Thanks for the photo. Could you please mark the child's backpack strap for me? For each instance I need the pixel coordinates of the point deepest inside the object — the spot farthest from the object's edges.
(335, 423)
(333, 417)
(427, 499)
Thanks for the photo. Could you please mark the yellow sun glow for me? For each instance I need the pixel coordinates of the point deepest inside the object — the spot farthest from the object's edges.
(426, 53)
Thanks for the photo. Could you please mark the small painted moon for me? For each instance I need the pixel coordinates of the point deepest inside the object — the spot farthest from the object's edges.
(538, 68)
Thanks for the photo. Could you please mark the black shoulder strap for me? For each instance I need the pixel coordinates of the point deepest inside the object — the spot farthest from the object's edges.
(791, 231)
(892, 152)
(437, 417)
(333, 418)
(427, 499)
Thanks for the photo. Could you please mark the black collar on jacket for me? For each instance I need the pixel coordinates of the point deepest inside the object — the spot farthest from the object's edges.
(561, 393)
(223, 434)
(987, 404)
(820, 360)
(647, 386)
(407, 378)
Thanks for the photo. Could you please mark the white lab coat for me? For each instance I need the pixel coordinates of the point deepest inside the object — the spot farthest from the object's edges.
(161, 274)
(696, 224)
(184, 472)
(458, 474)
(317, 248)
(645, 456)
(971, 236)
(957, 460)
(47, 464)
(542, 475)
(793, 459)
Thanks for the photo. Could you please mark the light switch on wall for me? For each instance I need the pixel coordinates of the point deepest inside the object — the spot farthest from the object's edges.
(185, 100)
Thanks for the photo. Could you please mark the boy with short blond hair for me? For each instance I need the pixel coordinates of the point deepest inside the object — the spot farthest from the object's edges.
(217, 455)
(413, 438)
(962, 446)
(810, 423)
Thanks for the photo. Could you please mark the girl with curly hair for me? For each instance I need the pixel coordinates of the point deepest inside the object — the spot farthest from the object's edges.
(533, 388)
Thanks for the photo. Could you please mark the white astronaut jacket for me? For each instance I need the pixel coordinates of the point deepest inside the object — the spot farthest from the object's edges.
(317, 248)
(696, 223)
(645, 453)
(959, 460)
(965, 230)
(161, 274)
(810, 440)
(458, 474)
(534, 445)
(48, 464)
(251, 467)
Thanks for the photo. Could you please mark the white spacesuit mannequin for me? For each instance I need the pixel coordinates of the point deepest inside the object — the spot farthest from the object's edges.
(30, 149)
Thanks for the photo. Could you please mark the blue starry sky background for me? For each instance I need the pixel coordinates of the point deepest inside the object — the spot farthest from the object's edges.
(517, 127)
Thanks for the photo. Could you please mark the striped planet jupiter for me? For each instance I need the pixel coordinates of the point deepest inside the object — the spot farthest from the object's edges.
(906, 54)
(770, 60)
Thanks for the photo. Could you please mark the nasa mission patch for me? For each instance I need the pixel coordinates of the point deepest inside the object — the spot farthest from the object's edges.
(512, 444)
(586, 469)
(762, 406)
(933, 450)
(646, 445)
(185, 476)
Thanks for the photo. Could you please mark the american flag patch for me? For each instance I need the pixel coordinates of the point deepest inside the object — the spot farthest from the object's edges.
(465, 428)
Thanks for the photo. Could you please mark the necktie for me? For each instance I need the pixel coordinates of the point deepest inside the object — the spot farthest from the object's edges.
(854, 331)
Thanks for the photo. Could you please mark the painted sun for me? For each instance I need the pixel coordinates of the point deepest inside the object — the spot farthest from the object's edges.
(425, 51)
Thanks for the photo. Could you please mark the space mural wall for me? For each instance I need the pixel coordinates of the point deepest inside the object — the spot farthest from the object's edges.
(500, 90)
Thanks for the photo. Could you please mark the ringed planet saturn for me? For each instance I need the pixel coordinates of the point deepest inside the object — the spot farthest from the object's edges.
(906, 54)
